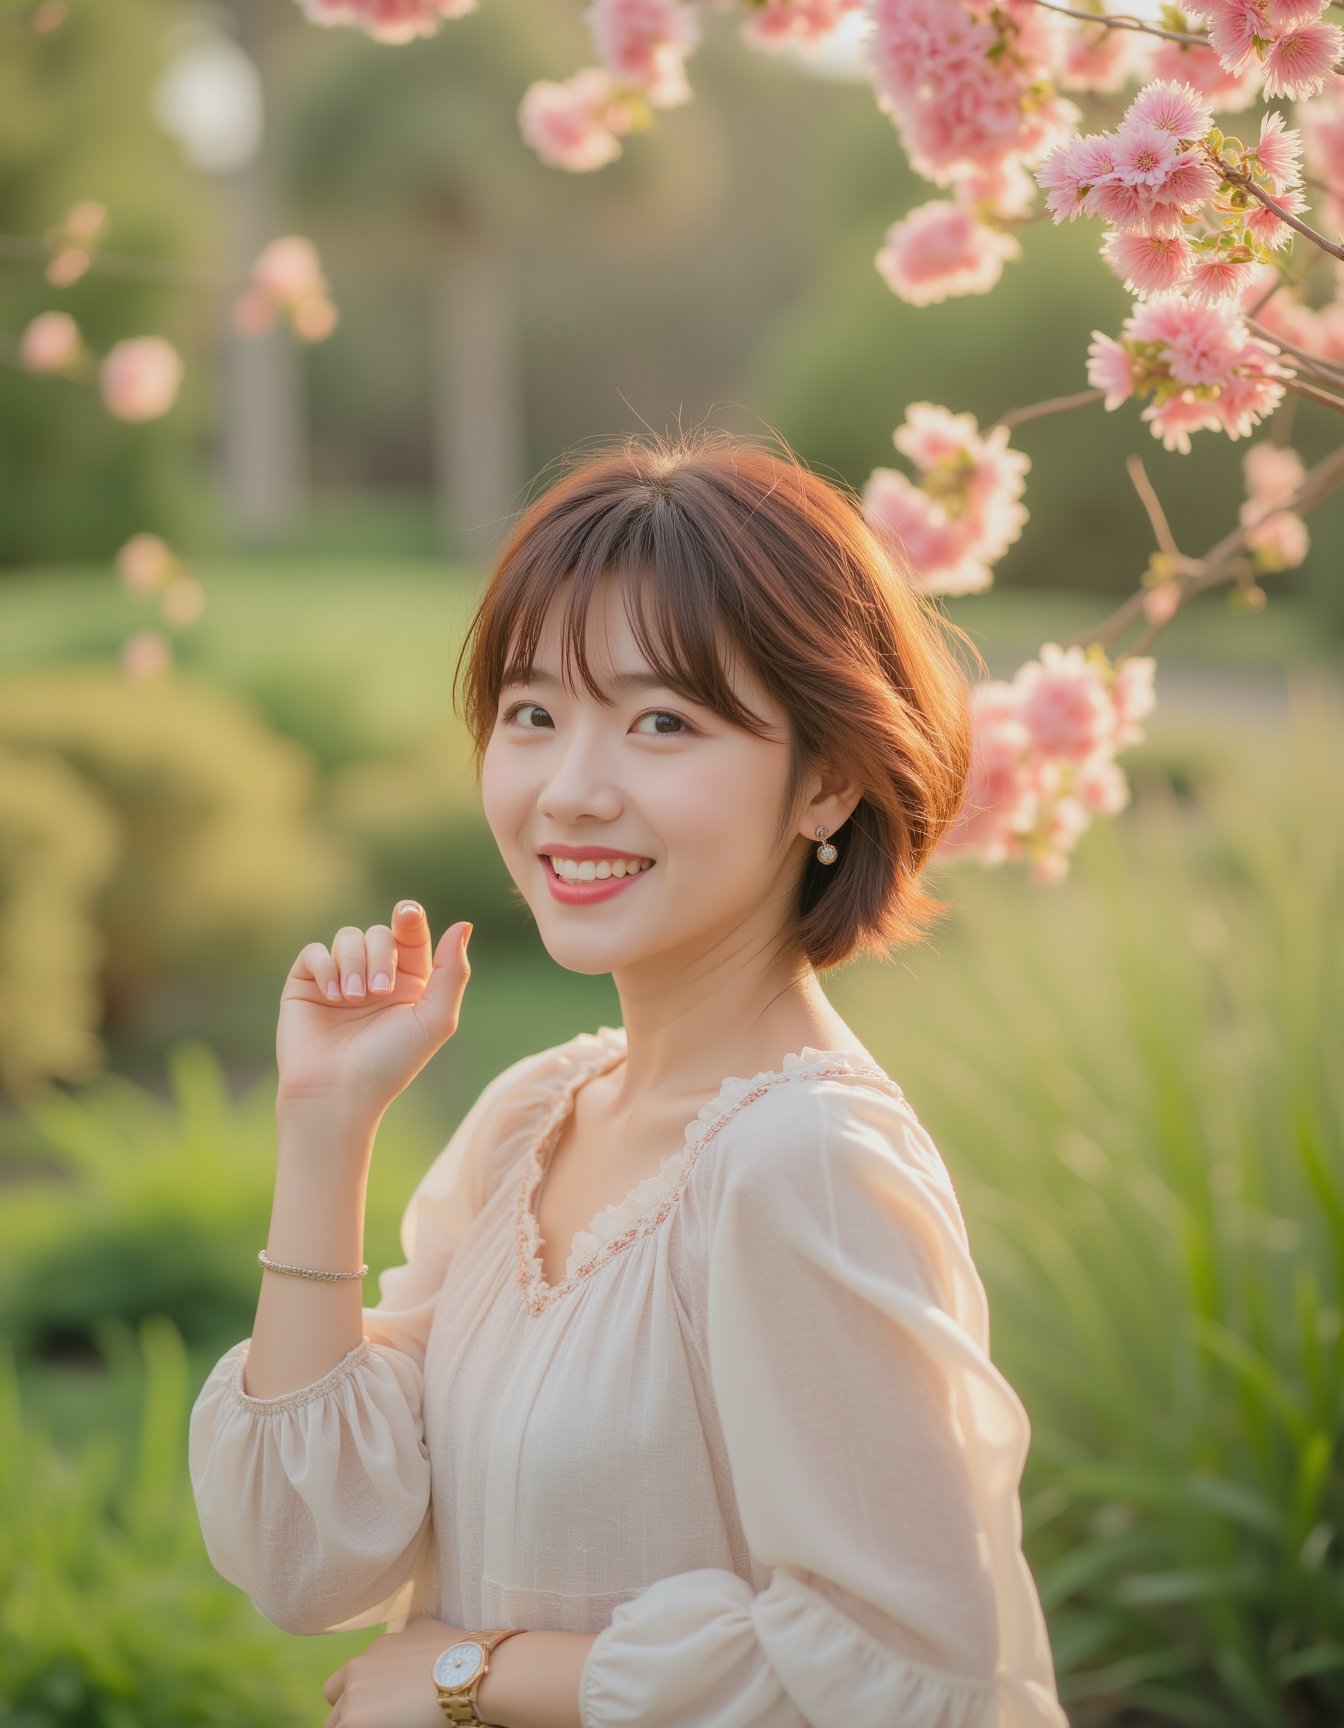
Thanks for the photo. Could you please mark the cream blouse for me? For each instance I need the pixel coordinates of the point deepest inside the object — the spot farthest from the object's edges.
(754, 1439)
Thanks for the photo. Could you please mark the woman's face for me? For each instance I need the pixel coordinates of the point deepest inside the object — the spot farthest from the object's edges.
(653, 776)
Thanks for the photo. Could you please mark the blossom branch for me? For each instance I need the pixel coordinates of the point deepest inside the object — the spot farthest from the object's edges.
(1122, 21)
(1321, 396)
(1239, 178)
(1322, 368)
(1053, 405)
(1222, 563)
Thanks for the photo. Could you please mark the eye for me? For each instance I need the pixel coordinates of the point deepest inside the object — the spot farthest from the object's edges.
(682, 727)
(517, 708)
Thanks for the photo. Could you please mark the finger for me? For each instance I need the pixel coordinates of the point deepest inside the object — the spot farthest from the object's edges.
(334, 1685)
(382, 959)
(410, 927)
(348, 948)
(441, 1003)
(315, 962)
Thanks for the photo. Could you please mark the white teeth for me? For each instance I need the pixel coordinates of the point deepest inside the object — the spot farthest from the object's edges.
(598, 869)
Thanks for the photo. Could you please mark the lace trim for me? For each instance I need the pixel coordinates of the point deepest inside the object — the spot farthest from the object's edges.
(646, 1206)
(305, 1394)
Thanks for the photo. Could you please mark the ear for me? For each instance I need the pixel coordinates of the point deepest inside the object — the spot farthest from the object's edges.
(834, 800)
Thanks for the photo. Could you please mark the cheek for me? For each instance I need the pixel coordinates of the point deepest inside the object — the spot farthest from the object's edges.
(501, 795)
(726, 804)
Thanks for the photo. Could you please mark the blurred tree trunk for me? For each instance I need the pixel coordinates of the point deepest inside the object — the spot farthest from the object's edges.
(479, 439)
(264, 433)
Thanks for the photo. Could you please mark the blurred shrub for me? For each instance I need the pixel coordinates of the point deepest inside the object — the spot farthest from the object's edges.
(58, 848)
(1134, 1079)
(111, 1615)
(219, 858)
(77, 122)
(160, 1207)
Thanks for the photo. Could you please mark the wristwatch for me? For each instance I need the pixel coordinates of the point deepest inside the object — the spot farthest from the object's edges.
(459, 1670)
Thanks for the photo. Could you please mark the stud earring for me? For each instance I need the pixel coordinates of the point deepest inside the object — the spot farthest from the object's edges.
(826, 853)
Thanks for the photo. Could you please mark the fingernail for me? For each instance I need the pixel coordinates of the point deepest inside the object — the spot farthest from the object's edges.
(466, 936)
(409, 910)
(381, 981)
(333, 988)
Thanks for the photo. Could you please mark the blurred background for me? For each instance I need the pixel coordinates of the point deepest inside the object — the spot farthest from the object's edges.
(1133, 1076)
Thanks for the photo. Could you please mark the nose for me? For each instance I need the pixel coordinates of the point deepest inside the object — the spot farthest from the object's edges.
(577, 783)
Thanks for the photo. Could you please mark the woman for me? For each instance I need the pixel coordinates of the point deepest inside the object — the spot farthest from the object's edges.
(680, 1410)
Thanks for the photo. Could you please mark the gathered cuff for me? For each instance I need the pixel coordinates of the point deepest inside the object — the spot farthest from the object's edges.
(303, 1394)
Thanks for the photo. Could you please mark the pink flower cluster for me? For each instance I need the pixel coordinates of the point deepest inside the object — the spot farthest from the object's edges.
(1151, 181)
(51, 343)
(1273, 474)
(287, 281)
(1287, 41)
(578, 124)
(1198, 362)
(775, 24)
(966, 82)
(964, 512)
(941, 248)
(71, 243)
(140, 377)
(644, 43)
(389, 20)
(1043, 756)
(1322, 126)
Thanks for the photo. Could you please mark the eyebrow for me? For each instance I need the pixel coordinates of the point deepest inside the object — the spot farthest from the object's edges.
(622, 681)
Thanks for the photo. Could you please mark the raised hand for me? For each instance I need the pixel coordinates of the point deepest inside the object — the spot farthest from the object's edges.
(359, 1020)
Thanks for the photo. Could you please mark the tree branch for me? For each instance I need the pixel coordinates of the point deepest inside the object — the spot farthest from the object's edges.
(1219, 563)
(1038, 410)
(1121, 21)
(1238, 178)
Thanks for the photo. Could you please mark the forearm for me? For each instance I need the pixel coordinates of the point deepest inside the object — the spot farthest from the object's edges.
(534, 1680)
(305, 1326)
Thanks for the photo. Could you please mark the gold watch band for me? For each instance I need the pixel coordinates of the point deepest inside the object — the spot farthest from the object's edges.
(460, 1707)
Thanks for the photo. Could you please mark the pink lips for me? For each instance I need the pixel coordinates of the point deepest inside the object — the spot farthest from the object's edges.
(580, 893)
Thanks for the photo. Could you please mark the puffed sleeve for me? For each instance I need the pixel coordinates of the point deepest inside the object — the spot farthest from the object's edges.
(875, 1452)
(316, 1503)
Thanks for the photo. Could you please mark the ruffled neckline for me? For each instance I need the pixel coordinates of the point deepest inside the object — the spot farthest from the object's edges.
(645, 1206)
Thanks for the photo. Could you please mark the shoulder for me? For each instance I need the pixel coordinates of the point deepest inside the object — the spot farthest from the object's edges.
(838, 1164)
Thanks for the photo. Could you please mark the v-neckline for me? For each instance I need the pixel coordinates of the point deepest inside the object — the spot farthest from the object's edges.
(643, 1209)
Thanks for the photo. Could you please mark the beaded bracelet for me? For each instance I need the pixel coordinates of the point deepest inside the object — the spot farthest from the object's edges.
(309, 1271)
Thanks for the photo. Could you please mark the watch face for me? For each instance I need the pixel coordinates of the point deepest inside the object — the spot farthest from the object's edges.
(458, 1665)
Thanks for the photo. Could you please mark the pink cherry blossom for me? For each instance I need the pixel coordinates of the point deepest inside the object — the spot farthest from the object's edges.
(1217, 276)
(1299, 62)
(1147, 264)
(393, 21)
(1226, 92)
(1273, 473)
(1000, 798)
(1234, 26)
(1279, 151)
(140, 377)
(1065, 704)
(573, 125)
(939, 548)
(1172, 107)
(1070, 171)
(182, 601)
(50, 343)
(644, 43)
(1110, 368)
(939, 249)
(783, 23)
(146, 564)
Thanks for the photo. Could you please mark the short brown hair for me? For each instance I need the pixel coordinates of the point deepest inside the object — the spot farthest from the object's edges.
(742, 538)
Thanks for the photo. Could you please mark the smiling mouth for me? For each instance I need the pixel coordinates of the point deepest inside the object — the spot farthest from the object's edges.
(599, 870)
